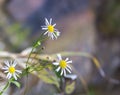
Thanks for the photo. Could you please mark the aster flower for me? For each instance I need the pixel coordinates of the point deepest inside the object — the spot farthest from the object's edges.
(62, 65)
(10, 69)
(50, 29)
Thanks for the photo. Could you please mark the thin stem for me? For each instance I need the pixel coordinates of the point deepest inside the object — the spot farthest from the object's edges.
(27, 70)
(6, 86)
(37, 43)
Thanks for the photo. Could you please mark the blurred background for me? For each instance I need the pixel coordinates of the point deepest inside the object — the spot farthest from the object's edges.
(91, 26)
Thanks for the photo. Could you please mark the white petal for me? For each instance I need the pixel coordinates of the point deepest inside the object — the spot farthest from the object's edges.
(50, 21)
(45, 28)
(58, 33)
(45, 32)
(46, 21)
(5, 71)
(54, 25)
(55, 63)
(55, 35)
(69, 67)
(7, 63)
(59, 56)
(64, 72)
(17, 75)
(69, 61)
(73, 77)
(14, 64)
(5, 68)
(58, 69)
(14, 75)
(56, 29)
(11, 62)
(66, 59)
(61, 72)
(18, 71)
(8, 75)
(68, 70)
(51, 35)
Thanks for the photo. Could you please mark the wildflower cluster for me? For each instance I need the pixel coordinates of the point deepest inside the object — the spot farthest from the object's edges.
(61, 66)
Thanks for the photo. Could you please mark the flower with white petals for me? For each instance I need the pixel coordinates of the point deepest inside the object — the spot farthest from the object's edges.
(50, 29)
(10, 69)
(63, 65)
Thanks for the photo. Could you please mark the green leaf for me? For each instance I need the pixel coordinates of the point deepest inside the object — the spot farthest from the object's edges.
(45, 76)
(16, 83)
(70, 87)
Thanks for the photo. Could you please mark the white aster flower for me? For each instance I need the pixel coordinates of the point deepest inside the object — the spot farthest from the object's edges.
(63, 65)
(50, 29)
(10, 69)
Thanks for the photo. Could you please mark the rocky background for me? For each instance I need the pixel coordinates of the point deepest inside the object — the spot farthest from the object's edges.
(86, 26)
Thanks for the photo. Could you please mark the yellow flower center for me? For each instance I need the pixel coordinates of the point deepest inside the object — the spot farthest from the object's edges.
(11, 69)
(63, 64)
(50, 28)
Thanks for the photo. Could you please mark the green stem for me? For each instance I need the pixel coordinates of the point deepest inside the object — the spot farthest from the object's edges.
(6, 86)
(27, 69)
(37, 43)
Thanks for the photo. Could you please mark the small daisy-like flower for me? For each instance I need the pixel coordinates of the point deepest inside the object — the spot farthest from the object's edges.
(50, 29)
(63, 65)
(10, 69)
